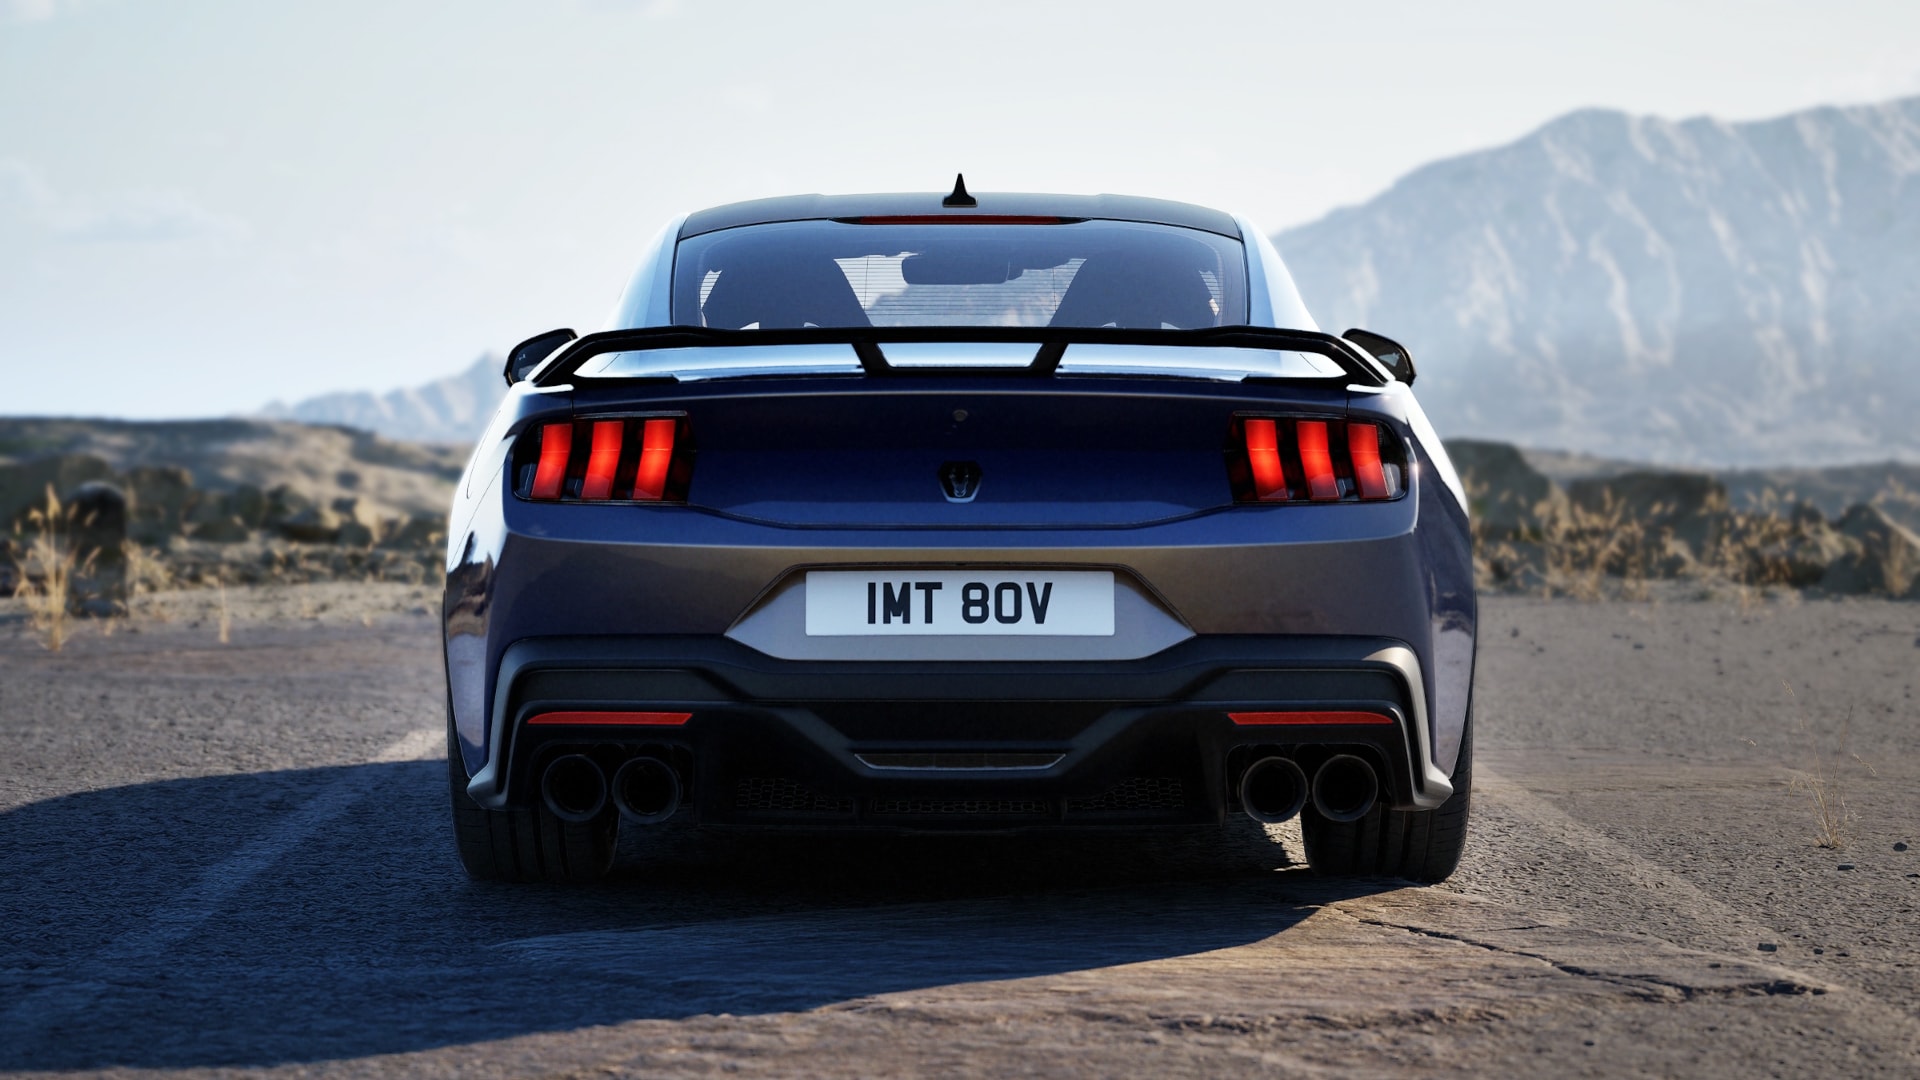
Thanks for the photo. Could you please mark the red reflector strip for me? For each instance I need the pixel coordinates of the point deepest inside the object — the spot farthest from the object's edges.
(1268, 719)
(1263, 453)
(1315, 461)
(632, 719)
(1363, 443)
(556, 442)
(961, 219)
(656, 454)
(607, 437)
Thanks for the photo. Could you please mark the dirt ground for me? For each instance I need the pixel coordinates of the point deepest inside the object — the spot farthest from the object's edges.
(222, 857)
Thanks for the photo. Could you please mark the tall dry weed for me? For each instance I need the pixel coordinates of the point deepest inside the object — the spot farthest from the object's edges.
(49, 571)
(1823, 782)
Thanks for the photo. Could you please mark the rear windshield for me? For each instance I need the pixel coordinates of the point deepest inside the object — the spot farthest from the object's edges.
(841, 274)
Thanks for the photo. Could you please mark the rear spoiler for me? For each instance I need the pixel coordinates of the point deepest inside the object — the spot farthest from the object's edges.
(1050, 344)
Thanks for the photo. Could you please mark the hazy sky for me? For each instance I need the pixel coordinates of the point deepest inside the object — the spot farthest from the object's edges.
(208, 204)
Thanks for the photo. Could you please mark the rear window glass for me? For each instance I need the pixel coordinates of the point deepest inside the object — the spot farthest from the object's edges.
(840, 274)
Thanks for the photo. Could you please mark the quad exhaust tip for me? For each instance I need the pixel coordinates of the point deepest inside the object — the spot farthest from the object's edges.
(573, 788)
(1273, 789)
(1345, 788)
(646, 790)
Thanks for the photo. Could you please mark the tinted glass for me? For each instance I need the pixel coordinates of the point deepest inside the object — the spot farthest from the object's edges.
(839, 274)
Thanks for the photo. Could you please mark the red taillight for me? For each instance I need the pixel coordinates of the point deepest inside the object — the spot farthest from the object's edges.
(623, 459)
(1270, 719)
(1363, 446)
(1315, 460)
(656, 454)
(556, 444)
(608, 437)
(1263, 454)
(614, 719)
(1326, 460)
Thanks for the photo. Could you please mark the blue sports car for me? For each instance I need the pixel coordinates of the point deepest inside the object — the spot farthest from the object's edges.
(926, 513)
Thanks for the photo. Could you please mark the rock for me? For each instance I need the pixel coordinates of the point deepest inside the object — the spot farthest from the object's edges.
(227, 530)
(1899, 845)
(23, 485)
(249, 504)
(313, 525)
(283, 504)
(160, 497)
(354, 534)
(1844, 866)
(1511, 500)
(1886, 560)
(421, 532)
(210, 506)
(1516, 565)
(1692, 507)
(1768, 946)
(1799, 554)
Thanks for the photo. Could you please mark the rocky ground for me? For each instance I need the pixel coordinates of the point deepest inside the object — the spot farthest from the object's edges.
(227, 855)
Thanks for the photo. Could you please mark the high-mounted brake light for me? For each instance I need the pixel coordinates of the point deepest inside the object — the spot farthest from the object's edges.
(618, 459)
(958, 219)
(1325, 460)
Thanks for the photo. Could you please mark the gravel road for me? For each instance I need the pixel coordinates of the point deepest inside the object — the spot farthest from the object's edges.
(236, 856)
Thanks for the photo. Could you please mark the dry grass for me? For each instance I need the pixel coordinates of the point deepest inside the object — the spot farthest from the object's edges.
(1823, 782)
(226, 615)
(146, 574)
(48, 572)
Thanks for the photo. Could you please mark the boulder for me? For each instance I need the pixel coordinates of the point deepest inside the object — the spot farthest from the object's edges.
(24, 484)
(249, 504)
(1511, 500)
(421, 532)
(313, 525)
(283, 504)
(158, 499)
(96, 521)
(1692, 507)
(226, 530)
(1884, 560)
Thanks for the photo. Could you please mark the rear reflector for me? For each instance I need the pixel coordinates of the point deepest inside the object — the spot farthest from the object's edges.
(1269, 719)
(617, 459)
(608, 437)
(1363, 445)
(556, 443)
(1315, 461)
(1263, 454)
(614, 719)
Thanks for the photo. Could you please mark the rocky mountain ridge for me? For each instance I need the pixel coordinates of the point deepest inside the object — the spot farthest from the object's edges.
(1691, 292)
(449, 410)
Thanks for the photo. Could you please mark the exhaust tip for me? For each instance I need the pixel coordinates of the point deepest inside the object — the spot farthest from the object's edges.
(1273, 789)
(646, 790)
(574, 788)
(1345, 787)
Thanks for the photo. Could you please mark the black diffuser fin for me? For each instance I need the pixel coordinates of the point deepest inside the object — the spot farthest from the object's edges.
(959, 196)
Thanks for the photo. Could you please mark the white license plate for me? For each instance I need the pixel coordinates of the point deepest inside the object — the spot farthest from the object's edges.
(841, 603)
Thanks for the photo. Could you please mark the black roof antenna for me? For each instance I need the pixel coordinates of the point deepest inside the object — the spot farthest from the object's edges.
(959, 196)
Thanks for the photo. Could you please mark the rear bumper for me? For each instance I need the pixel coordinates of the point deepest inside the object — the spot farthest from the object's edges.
(832, 744)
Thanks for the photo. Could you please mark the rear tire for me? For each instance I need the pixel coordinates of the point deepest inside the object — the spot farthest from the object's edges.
(1419, 845)
(525, 845)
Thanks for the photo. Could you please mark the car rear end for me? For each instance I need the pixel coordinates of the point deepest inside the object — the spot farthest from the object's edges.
(913, 577)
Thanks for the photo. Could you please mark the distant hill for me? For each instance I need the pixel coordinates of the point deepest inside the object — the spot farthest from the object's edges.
(1691, 292)
(449, 410)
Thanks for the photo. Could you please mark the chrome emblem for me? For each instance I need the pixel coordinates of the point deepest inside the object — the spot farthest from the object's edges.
(960, 480)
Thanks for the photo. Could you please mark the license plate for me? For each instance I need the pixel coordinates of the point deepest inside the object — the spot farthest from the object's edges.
(843, 603)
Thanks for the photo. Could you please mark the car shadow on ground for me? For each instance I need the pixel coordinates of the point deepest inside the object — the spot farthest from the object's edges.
(314, 915)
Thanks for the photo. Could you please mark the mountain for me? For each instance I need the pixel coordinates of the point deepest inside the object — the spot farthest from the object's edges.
(1694, 292)
(449, 410)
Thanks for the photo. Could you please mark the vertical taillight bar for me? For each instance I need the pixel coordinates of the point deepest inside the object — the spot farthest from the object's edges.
(556, 443)
(656, 455)
(1363, 445)
(604, 460)
(1263, 453)
(1315, 460)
